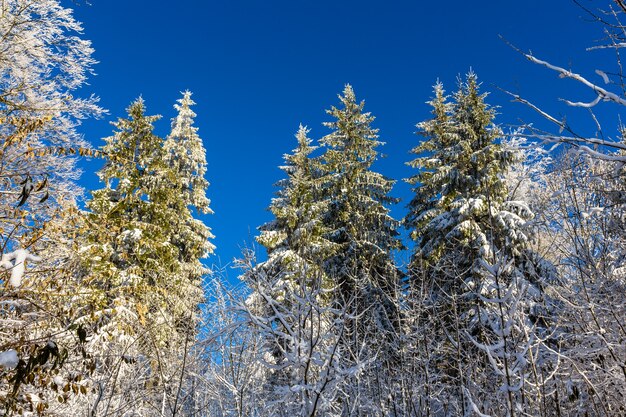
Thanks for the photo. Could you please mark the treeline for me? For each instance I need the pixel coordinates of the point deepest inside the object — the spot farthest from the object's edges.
(513, 302)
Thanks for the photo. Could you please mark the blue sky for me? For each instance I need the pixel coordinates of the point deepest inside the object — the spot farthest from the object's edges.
(258, 69)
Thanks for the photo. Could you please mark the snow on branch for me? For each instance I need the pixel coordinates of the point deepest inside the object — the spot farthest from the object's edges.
(18, 266)
(586, 105)
(472, 405)
(9, 359)
(573, 140)
(563, 73)
(579, 142)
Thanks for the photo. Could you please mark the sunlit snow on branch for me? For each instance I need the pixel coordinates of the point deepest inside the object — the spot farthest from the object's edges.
(18, 266)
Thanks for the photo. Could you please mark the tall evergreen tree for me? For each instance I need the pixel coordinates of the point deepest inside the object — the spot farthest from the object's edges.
(185, 156)
(358, 215)
(460, 168)
(363, 269)
(471, 254)
(290, 289)
(142, 252)
(297, 234)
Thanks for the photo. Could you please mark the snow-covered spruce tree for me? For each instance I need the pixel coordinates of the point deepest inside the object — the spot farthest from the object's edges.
(43, 63)
(481, 283)
(185, 154)
(297, 236)
(142, 252)
(295, 240)
(362, 269)
(290, 305)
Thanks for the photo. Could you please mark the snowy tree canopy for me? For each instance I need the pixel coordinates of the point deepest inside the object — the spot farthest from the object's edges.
(511, 300)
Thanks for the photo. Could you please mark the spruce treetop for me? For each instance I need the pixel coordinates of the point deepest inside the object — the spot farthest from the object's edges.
(460, 193)
(185, 153)
(297, 230)
(352, 133)
(358, 195)
(132, 149)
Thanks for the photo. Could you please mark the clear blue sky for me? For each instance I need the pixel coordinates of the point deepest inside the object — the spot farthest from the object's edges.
(258, 69)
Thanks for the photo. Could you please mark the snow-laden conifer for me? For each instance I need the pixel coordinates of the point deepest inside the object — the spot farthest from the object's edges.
(142, 252)
(185, 153)
(480, 284)
(185, 156)
(289, 305)
(362, 268)
(297, 234)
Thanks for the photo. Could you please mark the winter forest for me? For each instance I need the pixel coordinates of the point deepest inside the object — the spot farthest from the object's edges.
(511, 301)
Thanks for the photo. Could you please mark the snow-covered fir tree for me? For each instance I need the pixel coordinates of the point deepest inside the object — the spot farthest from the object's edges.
(362, 269)
(297, 236)
(142, 251)
(185, 153)
(460, 167)
(289, 305)
(185, 156)
(480, 283)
